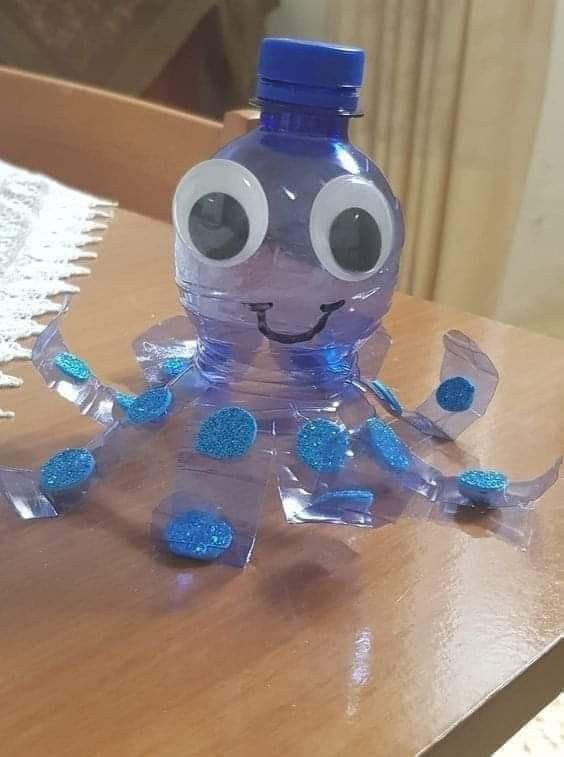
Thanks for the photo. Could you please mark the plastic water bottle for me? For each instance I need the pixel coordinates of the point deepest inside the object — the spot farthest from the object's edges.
(287, 248)
(287, 241)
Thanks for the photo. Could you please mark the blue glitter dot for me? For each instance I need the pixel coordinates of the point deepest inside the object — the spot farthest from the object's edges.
(150, 406)
(124, 400)
(72, 366)
(174, 366)
(66, 470)
(383, 392)
(386, 447)
(455, 394)
(480, 485)
(227, 433)
(322, 445)
(197, 534)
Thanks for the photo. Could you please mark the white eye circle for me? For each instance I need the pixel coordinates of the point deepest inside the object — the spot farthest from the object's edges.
(351, 228)
(220, 212)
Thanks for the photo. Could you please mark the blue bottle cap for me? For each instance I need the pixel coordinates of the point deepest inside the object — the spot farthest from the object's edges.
(302, 72)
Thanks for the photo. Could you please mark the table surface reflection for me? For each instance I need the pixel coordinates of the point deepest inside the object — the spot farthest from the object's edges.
(334, 641)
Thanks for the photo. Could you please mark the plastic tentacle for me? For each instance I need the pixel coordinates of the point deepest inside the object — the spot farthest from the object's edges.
(20, 487)
(462, 359)
(170, 339)
(120, 437)
(380, 345)
(93, 398)
(230, 490)
(517, 494)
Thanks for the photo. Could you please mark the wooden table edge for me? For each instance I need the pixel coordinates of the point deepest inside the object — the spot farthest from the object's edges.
(505, 710)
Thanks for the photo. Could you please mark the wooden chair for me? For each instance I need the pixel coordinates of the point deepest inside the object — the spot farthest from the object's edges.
(118, 147)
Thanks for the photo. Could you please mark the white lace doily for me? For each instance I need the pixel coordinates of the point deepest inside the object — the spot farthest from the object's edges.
(44, 228)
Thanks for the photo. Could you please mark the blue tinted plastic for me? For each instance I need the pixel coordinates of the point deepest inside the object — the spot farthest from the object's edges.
(309, 73)
(287, 249)
(82, 388)
(291, 167)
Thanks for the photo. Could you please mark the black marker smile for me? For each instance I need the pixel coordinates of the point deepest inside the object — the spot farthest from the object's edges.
(260, 309)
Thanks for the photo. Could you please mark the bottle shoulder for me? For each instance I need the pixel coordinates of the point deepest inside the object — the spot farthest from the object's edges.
(281, 147)
(300, 160)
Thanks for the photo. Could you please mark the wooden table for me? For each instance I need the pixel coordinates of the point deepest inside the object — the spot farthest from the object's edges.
(334, 641)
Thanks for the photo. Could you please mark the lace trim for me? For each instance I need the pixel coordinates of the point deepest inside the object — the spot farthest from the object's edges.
(44, 228)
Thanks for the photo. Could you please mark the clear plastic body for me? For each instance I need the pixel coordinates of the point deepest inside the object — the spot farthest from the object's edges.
(287, 248)
(293, 154)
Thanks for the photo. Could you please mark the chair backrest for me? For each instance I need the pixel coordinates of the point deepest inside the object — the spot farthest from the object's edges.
(118, 147)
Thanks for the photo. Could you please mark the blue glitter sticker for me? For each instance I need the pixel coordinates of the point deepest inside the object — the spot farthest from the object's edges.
(197, 534)
(481, 485)
(150, 406)
(455, 394)
(227, 433)
(387, 396)
(174, 366)
(72, 366)
(66, 470)
(322, 445)
(124, 400)
(386, 447)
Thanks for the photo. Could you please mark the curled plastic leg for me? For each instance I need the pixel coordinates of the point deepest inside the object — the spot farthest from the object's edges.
(325, 476)
(389, 455)
(71, 377)
(55, 487)
(348, 498)
(473, 491)
(468, 380)
(489, 502)
(165, 351)
(221, 475)
(491, 489)
(21, 488)
(367, 476)
(469, 488)
(61, 482)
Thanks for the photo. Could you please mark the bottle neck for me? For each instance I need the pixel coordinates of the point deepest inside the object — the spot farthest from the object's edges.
(284, 373)
(304, 121)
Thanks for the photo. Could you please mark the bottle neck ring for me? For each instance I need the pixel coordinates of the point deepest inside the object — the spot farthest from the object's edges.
(300, 120)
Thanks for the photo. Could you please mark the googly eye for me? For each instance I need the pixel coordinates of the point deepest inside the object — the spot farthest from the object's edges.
(220, 212)
(351, 228)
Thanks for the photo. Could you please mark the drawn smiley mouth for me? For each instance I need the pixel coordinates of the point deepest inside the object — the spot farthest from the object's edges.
(260, 308)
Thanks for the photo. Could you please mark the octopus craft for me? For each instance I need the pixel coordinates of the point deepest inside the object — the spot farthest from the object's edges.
(287, 250)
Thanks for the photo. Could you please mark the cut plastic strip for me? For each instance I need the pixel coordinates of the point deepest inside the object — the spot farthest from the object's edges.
(517, 494)
(93, 398)
(160, 345)
(357, 492)
(23, 489)
(467, 384)
(463, 359)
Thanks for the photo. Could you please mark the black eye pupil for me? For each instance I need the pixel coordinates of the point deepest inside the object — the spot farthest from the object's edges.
(355, 240)
(219, 226)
